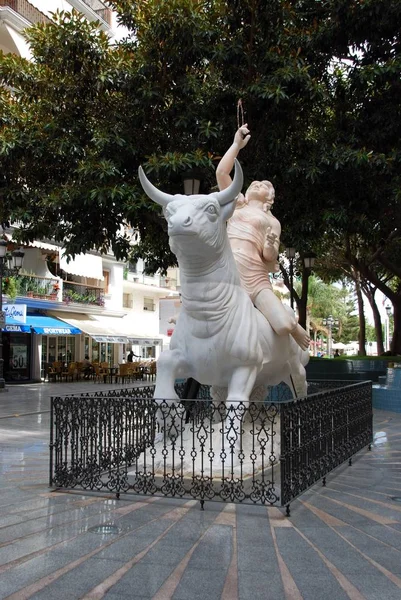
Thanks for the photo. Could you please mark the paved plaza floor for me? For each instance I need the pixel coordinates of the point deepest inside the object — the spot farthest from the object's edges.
(341, 541)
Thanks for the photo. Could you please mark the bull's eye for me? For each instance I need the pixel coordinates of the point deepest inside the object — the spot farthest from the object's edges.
(211, 210)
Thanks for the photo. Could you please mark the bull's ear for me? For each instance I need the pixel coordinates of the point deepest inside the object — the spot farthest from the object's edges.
(227, 210)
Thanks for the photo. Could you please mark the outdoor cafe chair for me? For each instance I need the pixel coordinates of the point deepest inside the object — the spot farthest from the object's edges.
(69, 372)
(124, 372)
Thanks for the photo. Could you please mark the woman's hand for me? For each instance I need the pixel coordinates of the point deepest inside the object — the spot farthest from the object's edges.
(242, 137)
(269, 247)
(270, 238)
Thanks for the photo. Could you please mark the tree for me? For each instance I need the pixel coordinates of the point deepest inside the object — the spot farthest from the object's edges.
(83, 116)
(319, 82)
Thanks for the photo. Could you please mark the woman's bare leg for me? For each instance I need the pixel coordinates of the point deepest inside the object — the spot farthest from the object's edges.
(281, 318)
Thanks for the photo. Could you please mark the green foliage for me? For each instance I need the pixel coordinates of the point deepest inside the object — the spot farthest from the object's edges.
(11, 287)
(319, 82)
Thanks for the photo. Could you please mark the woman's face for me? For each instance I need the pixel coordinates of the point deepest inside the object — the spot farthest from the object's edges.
(262, 191)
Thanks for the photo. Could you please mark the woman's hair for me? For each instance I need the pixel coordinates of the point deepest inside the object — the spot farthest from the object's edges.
(243, 201)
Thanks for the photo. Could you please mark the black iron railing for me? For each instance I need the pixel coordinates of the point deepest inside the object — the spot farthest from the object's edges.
(263, 453)
(321, 431)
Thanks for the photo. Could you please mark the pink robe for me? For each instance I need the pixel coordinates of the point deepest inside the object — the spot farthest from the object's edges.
(250, 225)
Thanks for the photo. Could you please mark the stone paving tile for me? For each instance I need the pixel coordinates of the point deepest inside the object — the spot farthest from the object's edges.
(78, 582)
(339, 542)
(143, 579)
(198, 584)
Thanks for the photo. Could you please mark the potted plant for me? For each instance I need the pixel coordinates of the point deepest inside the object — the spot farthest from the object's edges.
(55, 290)
(10, 287)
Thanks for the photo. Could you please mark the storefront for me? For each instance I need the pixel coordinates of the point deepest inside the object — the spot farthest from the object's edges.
(103, 337)
(145, 348)
(27, 347)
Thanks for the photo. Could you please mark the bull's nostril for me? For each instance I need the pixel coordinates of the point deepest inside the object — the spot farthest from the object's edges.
(188, 221)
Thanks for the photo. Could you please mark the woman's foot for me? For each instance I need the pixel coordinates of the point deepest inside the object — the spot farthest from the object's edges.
(301, 337)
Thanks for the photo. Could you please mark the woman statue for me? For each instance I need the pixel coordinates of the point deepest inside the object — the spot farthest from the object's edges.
(254, 235)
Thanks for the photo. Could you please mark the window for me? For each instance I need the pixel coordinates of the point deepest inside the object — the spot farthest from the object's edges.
(149, 304)
(106, 275)
(127, 300)
(133, 266)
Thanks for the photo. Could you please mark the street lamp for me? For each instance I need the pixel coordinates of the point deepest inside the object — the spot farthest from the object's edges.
(388, 311)
(191, 180)
(14, 260)
(309, 261)
(330, 322)
(290, 253)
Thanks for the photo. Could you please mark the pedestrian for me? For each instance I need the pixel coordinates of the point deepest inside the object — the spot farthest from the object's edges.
(87, 367)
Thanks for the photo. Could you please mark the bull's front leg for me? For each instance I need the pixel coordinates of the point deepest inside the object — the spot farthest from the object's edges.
(170, 365)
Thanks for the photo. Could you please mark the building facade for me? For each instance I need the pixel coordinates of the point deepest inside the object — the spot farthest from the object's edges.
(92, 305)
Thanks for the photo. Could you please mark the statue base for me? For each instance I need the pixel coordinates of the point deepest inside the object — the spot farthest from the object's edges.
(233, 447)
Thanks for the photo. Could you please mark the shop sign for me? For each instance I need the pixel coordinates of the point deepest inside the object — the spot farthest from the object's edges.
(16, 312)
(19, 357)
(144, 342)
(57, 331)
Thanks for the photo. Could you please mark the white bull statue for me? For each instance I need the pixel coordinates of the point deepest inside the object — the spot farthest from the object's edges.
(220, 338)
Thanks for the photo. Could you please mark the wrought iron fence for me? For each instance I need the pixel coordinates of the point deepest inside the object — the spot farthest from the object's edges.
(263, 453)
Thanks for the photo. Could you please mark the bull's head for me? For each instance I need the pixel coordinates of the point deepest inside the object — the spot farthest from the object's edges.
(196, 224)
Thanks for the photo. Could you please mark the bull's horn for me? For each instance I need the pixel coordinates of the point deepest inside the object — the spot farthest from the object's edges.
(235, 187)
(152, 191)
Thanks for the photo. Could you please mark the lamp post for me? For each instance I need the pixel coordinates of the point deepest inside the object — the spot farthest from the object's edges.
(15, 260)
(330, 322)
(388, 311)
(290, 253)
(309, 263)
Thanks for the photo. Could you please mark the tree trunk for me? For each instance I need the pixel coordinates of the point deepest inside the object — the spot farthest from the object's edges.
(377, 320)
(395, 346)
(362, 320)
(378, 329)
(303, 300)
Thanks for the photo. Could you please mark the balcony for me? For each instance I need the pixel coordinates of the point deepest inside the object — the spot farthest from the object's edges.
(82, 294)
(26, 10)
(100, 9)
(168, 282)
(94, 10)
(29, 286)
(46, 288)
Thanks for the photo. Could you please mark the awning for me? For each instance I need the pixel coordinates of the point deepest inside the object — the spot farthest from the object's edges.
(41, 324)
(84, 265)
(50, 326)
(111, 339)
(145, 341)
(113, 330)
(13, 326)
(101, 329)
(34, 244)
(44, 246)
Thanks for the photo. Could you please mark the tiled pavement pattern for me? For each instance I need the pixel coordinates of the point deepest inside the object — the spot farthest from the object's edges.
(342, 541)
